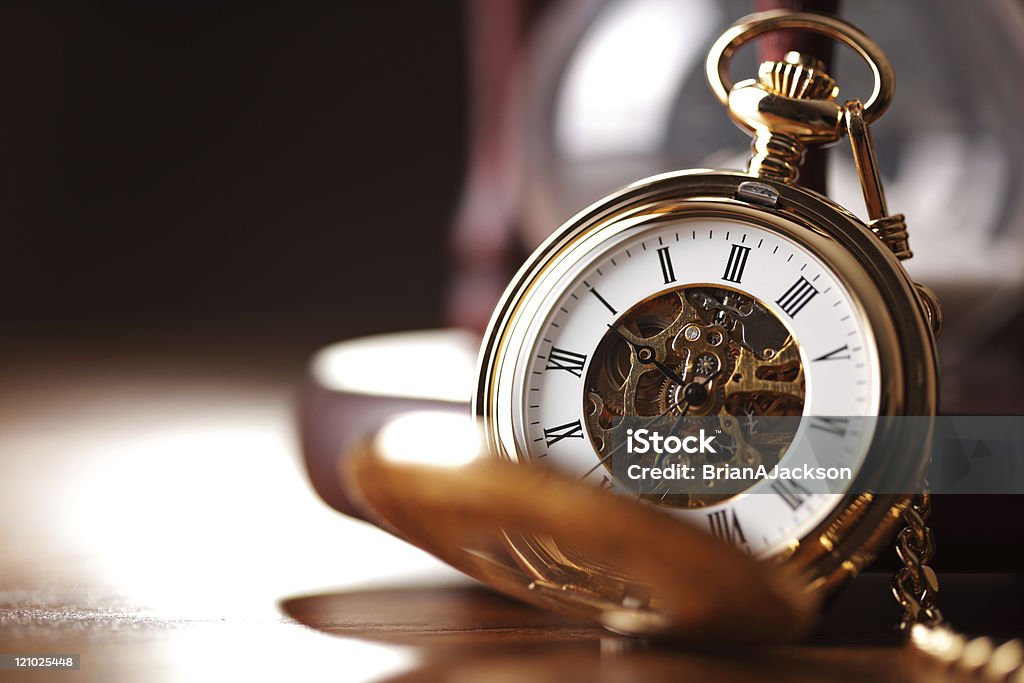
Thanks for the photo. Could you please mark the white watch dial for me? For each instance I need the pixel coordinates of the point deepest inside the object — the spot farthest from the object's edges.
(757, 321)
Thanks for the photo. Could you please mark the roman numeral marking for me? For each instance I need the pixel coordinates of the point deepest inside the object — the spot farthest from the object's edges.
(570, 361)
(796, 297)
(570, 430)
(603, 301)
(726, 527)
(737, 262)
(831, 425)
(667, 272)
(835, 355)
(791, 492)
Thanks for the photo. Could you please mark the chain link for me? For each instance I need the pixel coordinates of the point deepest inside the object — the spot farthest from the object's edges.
(940, 653)
(915, 584)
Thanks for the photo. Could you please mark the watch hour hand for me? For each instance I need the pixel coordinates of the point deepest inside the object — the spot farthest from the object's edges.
(646, 355)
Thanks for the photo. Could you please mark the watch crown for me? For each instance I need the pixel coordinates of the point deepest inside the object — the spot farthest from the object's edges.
(798, 76)
(790, 105)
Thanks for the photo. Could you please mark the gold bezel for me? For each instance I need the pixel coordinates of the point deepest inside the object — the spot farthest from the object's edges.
(860, 525)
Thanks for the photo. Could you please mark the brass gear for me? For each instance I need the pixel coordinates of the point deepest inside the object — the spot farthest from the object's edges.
(748, 361)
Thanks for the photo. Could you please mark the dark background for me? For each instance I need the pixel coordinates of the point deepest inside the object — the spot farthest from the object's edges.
(173, 167)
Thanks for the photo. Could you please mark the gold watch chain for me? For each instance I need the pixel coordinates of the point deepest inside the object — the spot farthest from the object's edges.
(939, 652)
(915, 584)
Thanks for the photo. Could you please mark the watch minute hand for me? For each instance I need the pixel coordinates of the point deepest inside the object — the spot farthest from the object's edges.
(649, 358)
(624, 338)
(668, 372)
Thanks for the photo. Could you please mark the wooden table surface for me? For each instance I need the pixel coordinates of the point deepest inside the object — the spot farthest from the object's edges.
(154, 518)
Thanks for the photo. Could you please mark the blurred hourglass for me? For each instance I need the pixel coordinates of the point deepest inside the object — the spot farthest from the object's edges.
(610, 91)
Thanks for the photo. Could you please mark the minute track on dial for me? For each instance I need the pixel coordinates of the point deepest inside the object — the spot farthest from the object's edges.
(738, 328)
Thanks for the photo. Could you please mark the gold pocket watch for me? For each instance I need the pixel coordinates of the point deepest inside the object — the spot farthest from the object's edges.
(734, 294)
